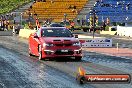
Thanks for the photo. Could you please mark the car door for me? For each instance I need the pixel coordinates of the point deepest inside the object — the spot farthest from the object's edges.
(31, 46)
(36, 42)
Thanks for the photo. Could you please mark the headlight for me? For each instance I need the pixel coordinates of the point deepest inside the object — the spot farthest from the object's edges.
(47, 44)
(76, 44)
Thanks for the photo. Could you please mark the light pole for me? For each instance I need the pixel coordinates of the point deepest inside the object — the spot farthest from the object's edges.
(65, 15)
(21, 18)
(126, 21)
(93, 13)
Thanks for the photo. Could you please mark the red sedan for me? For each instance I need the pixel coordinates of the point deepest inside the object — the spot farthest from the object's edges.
(51, 42)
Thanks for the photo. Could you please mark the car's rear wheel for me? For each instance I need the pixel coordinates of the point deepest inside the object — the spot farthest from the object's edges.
(78, 58)
(40, 53)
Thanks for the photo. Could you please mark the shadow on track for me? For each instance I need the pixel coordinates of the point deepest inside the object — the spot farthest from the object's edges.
(58, 59)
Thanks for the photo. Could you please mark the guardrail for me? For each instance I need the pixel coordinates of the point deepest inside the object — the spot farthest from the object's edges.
(108, 32)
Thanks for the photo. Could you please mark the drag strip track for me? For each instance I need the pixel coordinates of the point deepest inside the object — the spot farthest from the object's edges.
(18, 71)
(47, 74)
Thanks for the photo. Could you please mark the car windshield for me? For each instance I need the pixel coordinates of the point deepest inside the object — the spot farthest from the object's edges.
(56, 25)
(56, 32)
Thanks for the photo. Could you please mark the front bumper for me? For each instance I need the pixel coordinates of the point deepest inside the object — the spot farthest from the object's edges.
(61, 53)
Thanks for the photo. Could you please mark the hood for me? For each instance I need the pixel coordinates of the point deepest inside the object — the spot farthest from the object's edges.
(59, 40)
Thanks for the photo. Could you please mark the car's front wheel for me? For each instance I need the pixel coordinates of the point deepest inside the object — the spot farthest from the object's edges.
(81, 79)
(29, 52)
(40, 53)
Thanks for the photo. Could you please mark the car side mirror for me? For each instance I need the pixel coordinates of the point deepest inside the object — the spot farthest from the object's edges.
(35, 36)
(76, 36)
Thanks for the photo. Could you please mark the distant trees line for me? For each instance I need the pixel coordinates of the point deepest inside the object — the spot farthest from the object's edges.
(8, 5)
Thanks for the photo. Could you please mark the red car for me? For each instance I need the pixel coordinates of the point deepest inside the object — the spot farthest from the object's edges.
(51, 42)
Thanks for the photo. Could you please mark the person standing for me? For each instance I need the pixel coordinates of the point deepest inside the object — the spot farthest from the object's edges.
(7, 24)
(78, 21)
(4, 24)
(104, 25)
(72, 24)
(108, 21)
(0, 24)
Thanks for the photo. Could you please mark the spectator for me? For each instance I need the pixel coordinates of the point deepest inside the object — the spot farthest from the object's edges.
(97, 1)
(108, 21)
(4, 24)
(52, 1)
(70, 7)
(117, 3)
(17, 29)
(74, 7)
(73, 10)
(0, 24)
(31, 7)
(83, 22)
(104, 25)
(78, 21)
(14, 22)
(13, 31)
(72, 24)
(43, 0)
(34, 1)
(127, 6)
(101, 1)
(7, 25)
(38, 0)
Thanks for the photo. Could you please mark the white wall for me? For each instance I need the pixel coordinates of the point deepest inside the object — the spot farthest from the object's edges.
(124, 31)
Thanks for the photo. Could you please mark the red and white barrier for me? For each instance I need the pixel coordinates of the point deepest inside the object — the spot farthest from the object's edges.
(99, 42)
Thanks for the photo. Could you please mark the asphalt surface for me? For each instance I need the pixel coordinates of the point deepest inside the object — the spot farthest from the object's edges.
(18, 70)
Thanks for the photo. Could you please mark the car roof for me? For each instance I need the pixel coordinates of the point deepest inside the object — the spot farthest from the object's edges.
(53, 28)
(56, 25)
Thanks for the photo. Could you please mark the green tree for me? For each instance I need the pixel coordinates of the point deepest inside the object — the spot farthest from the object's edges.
(8, 5)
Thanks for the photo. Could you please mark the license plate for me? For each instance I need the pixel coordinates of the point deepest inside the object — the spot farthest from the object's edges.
(64, 50)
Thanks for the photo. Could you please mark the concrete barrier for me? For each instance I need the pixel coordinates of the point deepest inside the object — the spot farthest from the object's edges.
(120, 31)
(25, 33)
(124, 31)
(108, 32)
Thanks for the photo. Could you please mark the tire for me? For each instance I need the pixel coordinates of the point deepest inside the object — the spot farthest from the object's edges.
(29, 52)
(78, 58)
(40, 53)
(81, 80)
